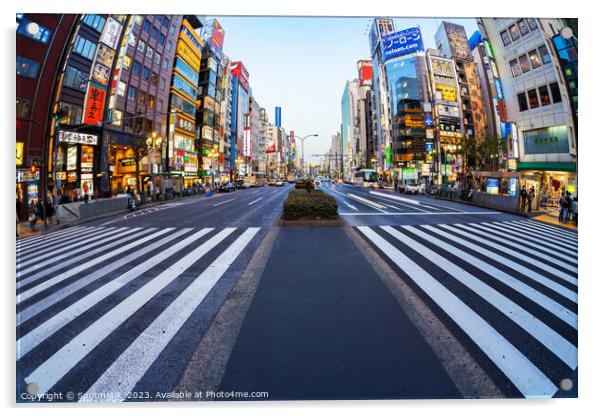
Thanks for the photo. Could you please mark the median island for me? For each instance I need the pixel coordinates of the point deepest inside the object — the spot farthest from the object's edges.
(310, 208)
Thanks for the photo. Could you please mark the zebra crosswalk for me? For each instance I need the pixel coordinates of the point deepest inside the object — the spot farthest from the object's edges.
(507, 289)
(78, 302)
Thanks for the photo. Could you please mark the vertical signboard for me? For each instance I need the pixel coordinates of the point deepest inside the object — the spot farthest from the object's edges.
(278, 117)
(458, 41)
(94, 105)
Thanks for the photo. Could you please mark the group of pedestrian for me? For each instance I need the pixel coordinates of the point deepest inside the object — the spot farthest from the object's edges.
(526, 199)
(568, 208)
(46, 211)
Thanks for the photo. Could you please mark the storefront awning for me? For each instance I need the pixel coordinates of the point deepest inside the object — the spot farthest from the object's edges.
(551, 166)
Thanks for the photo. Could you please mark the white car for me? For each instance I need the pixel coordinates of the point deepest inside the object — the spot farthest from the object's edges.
(317, 181)
(279, 182)
(413, 188)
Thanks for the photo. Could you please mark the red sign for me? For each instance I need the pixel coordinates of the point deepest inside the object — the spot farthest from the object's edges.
(365, 72)
(94, 105)
(502, 111)
(238, 69)
(292, 137)
(218, 34)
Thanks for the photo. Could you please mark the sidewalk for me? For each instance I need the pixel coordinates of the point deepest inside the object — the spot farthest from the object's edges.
(551, 219)
(316, 331)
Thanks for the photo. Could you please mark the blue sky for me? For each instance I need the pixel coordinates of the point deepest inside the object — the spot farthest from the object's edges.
(301, 64)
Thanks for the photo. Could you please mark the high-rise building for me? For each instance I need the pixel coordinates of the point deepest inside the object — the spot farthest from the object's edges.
(350, 127)
(239, 122)
(365, 149)
(452, 42)
(225, 118)
(182, 152)
(542, 135)
(40, 50)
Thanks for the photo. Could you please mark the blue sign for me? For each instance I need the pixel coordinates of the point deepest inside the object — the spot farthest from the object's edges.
(278, 117)
(428, 120)
(512, 190)
(492, 185)
(429, 147)
(402, 43)
(498, 88)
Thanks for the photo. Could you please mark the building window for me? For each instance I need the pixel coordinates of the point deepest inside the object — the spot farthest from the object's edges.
(95, 21)
(26, 27)
(74, 114)
(543, 52)
(515, 68)
(532, 23)
(132, 93)
(128, 120)
(162, 84)
(145, 73)
(524, 63)
(514, 34)
(121, 88)
(142, 99)
(534, 58)
(146, 26)
(154, 33)
(151, 102)
(84, 47)
(23, 108)
(75, 79)
(160, 106)
(165, 64)
(555, 91)
(165, 22)
(141, 46)
(169, 46)
(157, 58)
(136, 68)
(149, 52)
(161, 39)
(27, 67)
(533, 101)
(522, 102)
(522, 26)
(172, 29)
(544, 95)
(505, 38)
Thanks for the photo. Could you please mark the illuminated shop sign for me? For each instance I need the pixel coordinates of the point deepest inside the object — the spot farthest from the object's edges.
(446, 92)
(94, 105)
(100, 74)
(442, 67)
(79, 138)
(402, 43)
(111, 32)
(105, 55)
(20, 158)
(548, 140)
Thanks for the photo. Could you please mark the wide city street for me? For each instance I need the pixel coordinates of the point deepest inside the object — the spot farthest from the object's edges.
(413, 297)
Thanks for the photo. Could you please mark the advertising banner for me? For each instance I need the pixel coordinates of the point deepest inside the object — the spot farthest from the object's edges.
(448, 93)
(458, 42)
(365, 72)
(402, 43)
(94, 105)
(100, 74)
(442, 67)
(111, 32)
(513, 183)
(278, 117)
(380, 28)
(72, 158)
(75, 137)
(247, 142)
(87, 157)
(105, 55)
(238, 69)
(548, 140)
(20, 153)
(493, 185)
(186, 53)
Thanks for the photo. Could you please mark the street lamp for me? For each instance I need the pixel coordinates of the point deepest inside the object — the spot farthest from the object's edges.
(154, 142)
(303, 149)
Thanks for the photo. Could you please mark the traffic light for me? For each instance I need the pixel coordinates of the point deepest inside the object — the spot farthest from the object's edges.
(60, 114)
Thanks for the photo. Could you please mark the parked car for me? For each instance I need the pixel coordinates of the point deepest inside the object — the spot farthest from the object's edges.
(317, 181)
(227, 187)
(272, 182)
(243, 184)
(412, 187)
(279, 182)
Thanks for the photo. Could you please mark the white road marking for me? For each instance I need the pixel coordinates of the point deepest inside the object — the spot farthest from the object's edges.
(396, 198)
(560, 242)
(560, 289)
(223, 202)
(553, 341)
(41, 240)
(132, 364)
(544, 301)
(552, 229)
(349, 205)
(62, 361)
(258, 199)
(528, 379)
(33, 338)
(420, 213)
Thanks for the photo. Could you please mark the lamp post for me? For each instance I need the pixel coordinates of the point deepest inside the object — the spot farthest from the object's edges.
(303, 149)
(154, 142)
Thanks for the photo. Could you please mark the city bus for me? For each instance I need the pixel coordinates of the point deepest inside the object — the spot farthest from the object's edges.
(365, 178)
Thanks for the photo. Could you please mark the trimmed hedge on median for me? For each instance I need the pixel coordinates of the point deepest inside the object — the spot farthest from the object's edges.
(314, 205)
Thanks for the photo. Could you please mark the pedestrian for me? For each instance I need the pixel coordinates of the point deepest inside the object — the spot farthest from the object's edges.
(530, 197)
(575, 210)
(523, 198)
(32, 215)
(395, 185)
(568, 207)
(49, 209)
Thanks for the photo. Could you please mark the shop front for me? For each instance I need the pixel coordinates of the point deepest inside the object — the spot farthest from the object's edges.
(549, 180)
(76, 165)
(122, 166)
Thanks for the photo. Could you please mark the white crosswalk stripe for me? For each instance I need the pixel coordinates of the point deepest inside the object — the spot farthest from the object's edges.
(45, 239)
(534, 337)
(560, 243)
(571, 235)
(152, 266)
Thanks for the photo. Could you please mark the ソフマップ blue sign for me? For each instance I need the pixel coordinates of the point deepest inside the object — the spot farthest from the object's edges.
(402, 43)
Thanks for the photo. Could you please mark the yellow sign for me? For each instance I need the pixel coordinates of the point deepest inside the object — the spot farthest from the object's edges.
(448, 93)
(20, 153)
(187, 53)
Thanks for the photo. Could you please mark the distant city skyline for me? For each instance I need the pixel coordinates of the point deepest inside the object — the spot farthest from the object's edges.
(302, 63)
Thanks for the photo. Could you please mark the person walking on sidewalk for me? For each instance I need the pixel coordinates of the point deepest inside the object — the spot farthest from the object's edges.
(523, 198)
(31, 212)
(575, 210)
(530, 197)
